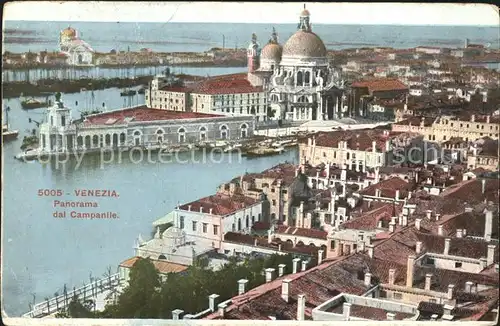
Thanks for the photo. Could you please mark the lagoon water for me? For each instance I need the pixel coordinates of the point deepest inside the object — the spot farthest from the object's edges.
(198, 37)
(42, 253)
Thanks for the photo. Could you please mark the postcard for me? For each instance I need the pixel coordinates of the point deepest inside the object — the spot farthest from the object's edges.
(242, 162)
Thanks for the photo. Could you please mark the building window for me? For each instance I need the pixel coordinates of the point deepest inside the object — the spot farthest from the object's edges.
(51, 121)
(247, 221)
(433, 300)
(429, 261)
(397, 296)
(216, 229)
(233, 227)
(63, 120)
(458, 264)
(194, 226)
(182, 135)
(274, 202)
(181, 222)
(203, 133)
(239, 224)
(205, 227)
(259, 217)
(332, 244)
(243, 130)
(223, 132)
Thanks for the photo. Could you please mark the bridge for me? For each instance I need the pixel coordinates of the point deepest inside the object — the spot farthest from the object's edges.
(89, 291)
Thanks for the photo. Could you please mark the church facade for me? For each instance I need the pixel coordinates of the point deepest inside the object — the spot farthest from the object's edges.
(300, 83)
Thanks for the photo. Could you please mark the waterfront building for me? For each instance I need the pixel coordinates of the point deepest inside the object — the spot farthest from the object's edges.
(484, 155)
(77, 50)
(469, 127)
(230, 95)
(356, 149)
(162, 267)
(136, 126)
(300, 82)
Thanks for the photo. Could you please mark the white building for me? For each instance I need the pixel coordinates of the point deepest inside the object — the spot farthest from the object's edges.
(298, 78)
(78, 51)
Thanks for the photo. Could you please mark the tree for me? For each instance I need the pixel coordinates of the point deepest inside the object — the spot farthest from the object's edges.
(77, 309)
(137, 299)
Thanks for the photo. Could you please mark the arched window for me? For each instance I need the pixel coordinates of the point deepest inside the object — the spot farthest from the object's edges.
(115, 140)
(275, 98)
(137, 137)
(159, 136)
(79, 141)
(239, 224)
(203, 133)
(108, 139)
(307, 77)
(244, 132)
(300, 80)
(224, 132)
(253, 220)
(247, 222)
(181, 135)
(122, 138)
(303, 99)
(95, 141)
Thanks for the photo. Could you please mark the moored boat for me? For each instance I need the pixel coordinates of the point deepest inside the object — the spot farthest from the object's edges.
(8, 134)
(129, 92)
(33, 104)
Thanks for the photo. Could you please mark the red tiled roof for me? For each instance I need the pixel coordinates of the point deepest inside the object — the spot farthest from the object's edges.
(284, 172)
(221, 204)
(163, 267)
(142, 114)
(226, 84)
(301, 232)
(356, 140)
(388, 188)
(175, 89)
(369, 220)
(379, 85)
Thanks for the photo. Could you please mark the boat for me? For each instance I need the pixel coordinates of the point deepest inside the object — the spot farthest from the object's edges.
(141, 90)
(33, 104)
(8, 134)
(263, 151)
(129, 92)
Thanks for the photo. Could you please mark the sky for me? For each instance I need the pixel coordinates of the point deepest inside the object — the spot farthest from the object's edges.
(255, 12)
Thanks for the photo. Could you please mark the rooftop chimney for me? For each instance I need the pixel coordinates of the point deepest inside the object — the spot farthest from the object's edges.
(377, 192)
(295, 264)
(483, 262)
(417, 223)
(428, 282)
(468, 209)
(438, 216)
(451, 287)
(488, 225)
(212, 301)
(390, 316)
(285, 289)
(428, 214)
(281, 270)
(472, 118)
(210, 211)
(370, 250)
(301, 306)
(490, 258)
(346, 310)
(447, 242)
(483, 185)
(176, 314)
(269, 236)
(374, 146)
(434, 317)
(418, 247)
(222, 309)
(189, 207)
(397, 195)
(392, 227)
(409, 271)
(269, 274)
(392, 276)
(368, 279)
(468, 287)
(440, 230)
(201, 209)
(304, 265)
(242, 284)
(459, 233)
(320, 256)
(255, 242)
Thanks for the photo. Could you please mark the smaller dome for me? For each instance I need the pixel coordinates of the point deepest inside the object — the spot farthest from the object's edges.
(305, 12)
(272, 51)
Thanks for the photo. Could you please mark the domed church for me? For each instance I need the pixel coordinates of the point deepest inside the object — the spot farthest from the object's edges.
(299, 81)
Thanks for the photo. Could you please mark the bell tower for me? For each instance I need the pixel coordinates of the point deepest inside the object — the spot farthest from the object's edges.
(253, 54)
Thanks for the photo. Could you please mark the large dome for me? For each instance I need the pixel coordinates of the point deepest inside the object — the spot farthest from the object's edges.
(69, 32)
(271, 51)
(304, 44)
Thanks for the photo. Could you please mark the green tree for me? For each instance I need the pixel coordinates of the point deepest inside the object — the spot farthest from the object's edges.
(137, 299)
(77, 309)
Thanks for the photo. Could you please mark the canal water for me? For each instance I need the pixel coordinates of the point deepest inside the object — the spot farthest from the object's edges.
(41, 253)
